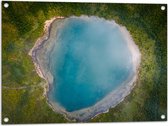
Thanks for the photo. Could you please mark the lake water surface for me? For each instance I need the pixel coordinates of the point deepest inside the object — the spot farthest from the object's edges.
(90, 59)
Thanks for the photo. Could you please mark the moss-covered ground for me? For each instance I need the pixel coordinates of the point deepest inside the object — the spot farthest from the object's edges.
(22, 92)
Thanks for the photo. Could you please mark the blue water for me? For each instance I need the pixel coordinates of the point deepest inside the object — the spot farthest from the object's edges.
(89, 60)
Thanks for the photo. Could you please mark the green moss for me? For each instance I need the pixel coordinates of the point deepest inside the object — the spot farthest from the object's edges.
(20, 29)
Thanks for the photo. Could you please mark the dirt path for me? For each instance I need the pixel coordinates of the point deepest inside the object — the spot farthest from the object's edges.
(23, 87)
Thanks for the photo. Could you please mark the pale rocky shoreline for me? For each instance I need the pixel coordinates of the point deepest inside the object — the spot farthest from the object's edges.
(103, 106)
(38, 43)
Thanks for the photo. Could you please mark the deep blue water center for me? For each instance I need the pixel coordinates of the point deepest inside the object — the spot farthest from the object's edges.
(90, 59)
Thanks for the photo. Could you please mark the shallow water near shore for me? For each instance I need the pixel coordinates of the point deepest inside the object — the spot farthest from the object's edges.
(90, 59)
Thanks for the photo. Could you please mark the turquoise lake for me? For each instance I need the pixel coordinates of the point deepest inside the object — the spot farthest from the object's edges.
(90, 59)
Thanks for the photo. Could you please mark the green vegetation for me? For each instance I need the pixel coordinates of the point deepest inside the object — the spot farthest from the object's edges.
(22, 24)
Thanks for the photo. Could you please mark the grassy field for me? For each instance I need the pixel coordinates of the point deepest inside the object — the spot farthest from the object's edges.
(22, 92)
